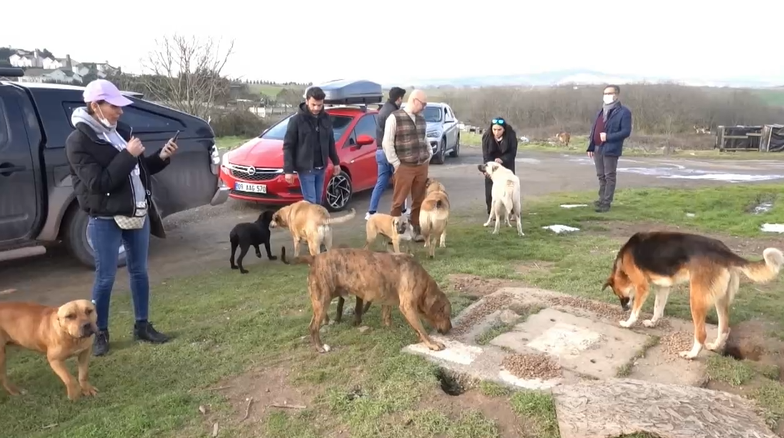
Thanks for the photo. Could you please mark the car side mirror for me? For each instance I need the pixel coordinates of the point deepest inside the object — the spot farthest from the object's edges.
(364, 140)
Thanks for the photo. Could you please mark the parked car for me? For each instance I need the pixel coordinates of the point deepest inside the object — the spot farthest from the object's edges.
(37, 203)
(443, 131)
(254, 171)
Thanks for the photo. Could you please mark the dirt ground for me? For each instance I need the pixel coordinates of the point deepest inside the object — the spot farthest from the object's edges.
(198, 239)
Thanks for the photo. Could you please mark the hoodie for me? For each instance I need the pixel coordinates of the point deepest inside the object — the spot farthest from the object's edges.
(112, 137)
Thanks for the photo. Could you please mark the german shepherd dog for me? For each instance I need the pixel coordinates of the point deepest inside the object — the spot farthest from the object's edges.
(667, 259)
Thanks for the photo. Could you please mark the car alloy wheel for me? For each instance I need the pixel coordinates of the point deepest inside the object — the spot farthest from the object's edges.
(338, 191)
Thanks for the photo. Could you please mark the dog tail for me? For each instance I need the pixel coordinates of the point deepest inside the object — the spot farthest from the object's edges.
(764, 270)
(307, 259)
(342, 219)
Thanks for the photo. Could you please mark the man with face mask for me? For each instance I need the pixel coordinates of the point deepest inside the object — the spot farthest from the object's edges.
(308, 144)
(612, 126)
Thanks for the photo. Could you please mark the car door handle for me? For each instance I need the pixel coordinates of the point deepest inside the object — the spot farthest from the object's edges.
(6, 169)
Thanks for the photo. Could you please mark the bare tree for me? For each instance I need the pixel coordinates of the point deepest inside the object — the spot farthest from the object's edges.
(186, 73)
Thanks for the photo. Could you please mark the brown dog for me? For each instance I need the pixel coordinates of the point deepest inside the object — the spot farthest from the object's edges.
(434, 215)
(308, 222)
(667, 259)
(386, 278)
(60, 333)
(393, 228)
(563, 138)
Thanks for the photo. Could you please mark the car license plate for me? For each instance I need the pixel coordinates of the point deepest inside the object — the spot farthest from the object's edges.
(251, 188)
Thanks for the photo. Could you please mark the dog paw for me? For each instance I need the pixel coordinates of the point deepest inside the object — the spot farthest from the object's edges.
(626, 324)
(713, 346)
(687, 355)
(325, 348)
(89, 390)
(442, 245)
(234, 267)
(258, 254)
(436, 346)
(486, 224)
(649, 323)
(273, 257)
(244, 271)
(495, 232)
(74, 392)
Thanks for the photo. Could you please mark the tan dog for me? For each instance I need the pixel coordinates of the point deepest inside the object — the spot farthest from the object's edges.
(60, 333)
(506, 195)
(564, 138)
(308, 222)
(393, 228)
(667, 259)
(434, 215)
(386, 278)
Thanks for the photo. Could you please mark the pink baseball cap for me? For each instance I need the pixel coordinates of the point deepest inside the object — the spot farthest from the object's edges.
(101, 89)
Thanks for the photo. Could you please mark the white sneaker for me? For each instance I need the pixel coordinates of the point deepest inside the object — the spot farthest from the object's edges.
(406, 212)
(367, 216)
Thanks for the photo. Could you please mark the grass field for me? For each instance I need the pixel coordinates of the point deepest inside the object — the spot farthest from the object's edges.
(772, 96)
(227, 324)
(579, 144)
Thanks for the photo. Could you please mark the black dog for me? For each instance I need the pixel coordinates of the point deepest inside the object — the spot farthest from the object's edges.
(249, 234)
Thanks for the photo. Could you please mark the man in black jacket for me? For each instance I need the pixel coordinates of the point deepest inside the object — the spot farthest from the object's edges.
(385, 170)
(308, 144)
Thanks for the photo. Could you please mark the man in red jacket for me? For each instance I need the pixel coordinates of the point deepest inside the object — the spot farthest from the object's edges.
(612, 126)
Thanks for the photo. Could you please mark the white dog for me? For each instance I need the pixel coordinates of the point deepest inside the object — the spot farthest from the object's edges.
(506, 195)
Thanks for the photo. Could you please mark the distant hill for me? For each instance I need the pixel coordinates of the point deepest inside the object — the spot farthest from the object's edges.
(580, 77)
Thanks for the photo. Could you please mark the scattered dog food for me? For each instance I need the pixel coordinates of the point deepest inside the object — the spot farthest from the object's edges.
(487, 306)
(603, 310)
(531, 366)
(675, 342)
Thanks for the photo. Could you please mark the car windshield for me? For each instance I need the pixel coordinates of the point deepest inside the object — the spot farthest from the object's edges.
(277, 132)
(433, 114)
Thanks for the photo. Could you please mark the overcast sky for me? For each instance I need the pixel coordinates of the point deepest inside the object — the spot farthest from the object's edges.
(400, 40)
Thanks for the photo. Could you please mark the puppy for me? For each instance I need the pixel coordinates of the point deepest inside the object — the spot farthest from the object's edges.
(396, 229)
(506, 195)
(308, 222)
(249, 234)
(59, 333)
(387, 278)
(434, 215)
(667, 259)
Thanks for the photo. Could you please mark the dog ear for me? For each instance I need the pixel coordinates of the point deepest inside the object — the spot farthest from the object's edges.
(607, 283)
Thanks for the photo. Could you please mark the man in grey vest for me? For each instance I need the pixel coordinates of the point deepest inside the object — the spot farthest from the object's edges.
(407, 150)
(385, 170)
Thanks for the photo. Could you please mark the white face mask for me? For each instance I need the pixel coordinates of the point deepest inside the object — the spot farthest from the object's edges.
(608, 99)
(104, 121)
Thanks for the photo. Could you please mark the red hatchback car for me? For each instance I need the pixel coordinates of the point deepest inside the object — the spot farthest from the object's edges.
(254, 171)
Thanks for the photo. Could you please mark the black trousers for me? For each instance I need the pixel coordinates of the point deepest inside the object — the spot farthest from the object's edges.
(489, 187)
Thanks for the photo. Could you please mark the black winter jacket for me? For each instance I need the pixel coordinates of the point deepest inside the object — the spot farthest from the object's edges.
(298, 144)
(506, 150)
(381, 119)
(101, 175)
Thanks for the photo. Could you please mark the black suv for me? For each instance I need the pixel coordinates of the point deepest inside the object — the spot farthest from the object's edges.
(37, 202)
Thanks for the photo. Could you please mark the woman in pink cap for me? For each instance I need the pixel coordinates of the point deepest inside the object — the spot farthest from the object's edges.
(111, 179)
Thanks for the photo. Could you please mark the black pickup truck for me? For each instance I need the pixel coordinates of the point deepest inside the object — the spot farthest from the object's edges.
(37, 204)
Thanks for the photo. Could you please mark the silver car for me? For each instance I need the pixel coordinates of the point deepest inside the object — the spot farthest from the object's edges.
(443, 132)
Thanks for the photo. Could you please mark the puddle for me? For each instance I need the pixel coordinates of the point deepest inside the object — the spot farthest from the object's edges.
(772, 228)
(558, 229)
(763, 208)
(696, 174)
(573, 205)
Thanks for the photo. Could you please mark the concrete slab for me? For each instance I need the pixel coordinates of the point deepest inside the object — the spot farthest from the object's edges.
(613, 407)
(580, 344)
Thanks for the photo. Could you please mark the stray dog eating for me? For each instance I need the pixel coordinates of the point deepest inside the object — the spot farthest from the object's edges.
(506, 195)
(396, 229)
(667, 259)
(434, 215)
(386, 278)
(247, 234)
(308, 222)
(59, 333)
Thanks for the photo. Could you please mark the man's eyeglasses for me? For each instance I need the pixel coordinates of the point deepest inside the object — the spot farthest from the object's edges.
(420, 102)
(498, 122)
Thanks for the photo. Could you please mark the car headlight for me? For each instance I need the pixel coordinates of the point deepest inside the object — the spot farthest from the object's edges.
(433, 134)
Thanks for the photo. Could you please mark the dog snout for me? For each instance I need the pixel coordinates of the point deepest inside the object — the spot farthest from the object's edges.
(625, 303)
(482, 167)
(88, 329)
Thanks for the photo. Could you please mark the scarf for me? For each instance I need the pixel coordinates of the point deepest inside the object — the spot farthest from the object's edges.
(607, 108)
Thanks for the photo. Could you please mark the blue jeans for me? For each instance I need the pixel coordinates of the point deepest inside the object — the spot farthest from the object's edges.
(106, 238)
(385, 171)
(312, 184)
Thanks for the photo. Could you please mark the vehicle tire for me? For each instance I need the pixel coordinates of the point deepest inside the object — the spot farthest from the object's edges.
(339, 192)
(456, 151)
(75, 238)
(438, 157)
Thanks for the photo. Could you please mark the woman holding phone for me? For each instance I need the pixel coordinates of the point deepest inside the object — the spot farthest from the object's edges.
(111, 179)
